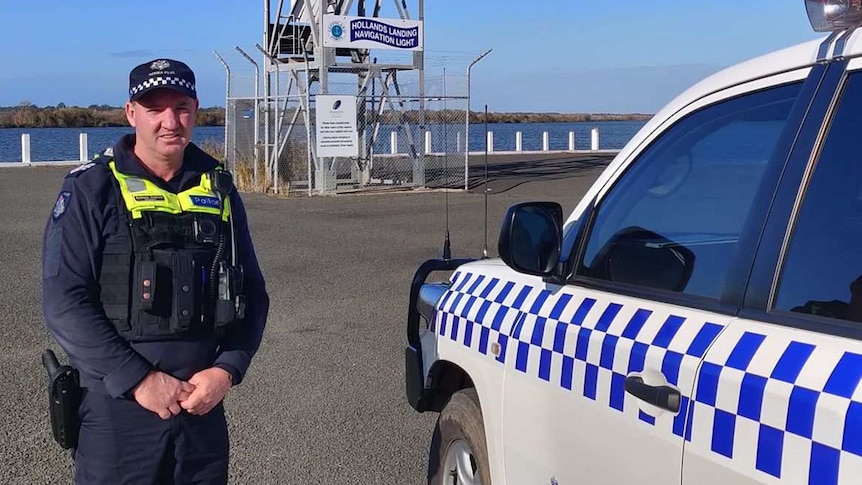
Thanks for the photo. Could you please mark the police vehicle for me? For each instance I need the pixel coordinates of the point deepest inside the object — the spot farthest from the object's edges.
(696, 319)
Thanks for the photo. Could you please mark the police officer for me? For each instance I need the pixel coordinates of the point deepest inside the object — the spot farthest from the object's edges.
(152, 287)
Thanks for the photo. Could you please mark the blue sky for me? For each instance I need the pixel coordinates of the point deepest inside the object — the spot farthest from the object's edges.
(549, 55)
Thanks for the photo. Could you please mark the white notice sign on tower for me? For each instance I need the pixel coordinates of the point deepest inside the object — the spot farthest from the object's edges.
(337, 135)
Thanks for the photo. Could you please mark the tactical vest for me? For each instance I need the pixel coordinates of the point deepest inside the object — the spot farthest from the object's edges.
(168, 275)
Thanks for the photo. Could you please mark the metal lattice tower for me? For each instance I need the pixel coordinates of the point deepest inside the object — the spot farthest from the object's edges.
(293, 45)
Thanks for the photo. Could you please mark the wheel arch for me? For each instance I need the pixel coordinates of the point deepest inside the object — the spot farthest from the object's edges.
(446, 378)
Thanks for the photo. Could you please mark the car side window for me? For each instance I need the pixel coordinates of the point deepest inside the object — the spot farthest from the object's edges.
(673, 219)
(822, 271)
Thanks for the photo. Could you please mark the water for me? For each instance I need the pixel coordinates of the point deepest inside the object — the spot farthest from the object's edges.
(612, 135)
(61, 144)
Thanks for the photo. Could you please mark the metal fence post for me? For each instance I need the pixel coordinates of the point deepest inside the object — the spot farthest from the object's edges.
(25, 148)
(256, 156)
(82, 147)
(428, 142)
(226, 101)
(467, 121)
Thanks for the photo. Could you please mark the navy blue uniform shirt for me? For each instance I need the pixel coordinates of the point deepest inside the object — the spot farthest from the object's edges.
(83, 218)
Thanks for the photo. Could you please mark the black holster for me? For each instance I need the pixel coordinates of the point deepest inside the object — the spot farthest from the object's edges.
(64, 397)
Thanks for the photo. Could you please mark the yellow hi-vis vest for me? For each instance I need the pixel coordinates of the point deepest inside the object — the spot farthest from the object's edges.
(142, 195)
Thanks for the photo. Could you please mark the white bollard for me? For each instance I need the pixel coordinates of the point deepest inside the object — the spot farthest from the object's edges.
(571, 141)
(546, 142)
(458, 141)
(519, 141)
(25, 148)
(427, 142)
(82, 147)
(393, 142)
(490, 141)
(595, 139)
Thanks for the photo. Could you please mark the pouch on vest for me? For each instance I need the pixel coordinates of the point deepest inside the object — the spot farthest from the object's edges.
(230, 304)
(165, 286)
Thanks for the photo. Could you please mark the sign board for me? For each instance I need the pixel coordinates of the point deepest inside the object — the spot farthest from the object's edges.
(372, 33)
(337, 134)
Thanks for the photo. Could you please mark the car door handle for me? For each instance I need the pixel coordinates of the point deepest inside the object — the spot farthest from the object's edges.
(664, 397)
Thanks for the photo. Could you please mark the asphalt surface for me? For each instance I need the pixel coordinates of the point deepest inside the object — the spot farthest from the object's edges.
(323, 402)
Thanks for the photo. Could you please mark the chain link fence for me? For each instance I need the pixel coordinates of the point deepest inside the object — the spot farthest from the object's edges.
(406, 139)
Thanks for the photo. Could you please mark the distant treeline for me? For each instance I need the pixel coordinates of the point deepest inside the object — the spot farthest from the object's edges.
(61, 116)
(479, 117)
(29, 116)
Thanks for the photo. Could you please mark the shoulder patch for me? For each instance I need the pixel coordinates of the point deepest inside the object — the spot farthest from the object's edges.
(88, 167)
(81, 168)
(61, 205)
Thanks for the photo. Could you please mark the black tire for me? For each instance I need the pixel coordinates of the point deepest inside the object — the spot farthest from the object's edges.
(459, 422)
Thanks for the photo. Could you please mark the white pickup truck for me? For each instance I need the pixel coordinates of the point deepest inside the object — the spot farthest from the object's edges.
(697, 318)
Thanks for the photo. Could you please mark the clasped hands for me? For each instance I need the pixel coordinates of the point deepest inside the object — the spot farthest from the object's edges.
(167, 396)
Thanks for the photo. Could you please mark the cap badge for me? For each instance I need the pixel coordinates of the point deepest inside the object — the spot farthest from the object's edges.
(160, 65)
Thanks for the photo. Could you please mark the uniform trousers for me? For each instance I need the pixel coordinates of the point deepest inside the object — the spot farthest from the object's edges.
(122, 443)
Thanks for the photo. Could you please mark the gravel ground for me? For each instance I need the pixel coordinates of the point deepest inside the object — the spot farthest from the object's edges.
(324, 399)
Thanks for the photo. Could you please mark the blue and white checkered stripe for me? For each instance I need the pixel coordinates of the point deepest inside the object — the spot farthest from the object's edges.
(578, 344)
(161, 81)
(783, 409)
(771, 405)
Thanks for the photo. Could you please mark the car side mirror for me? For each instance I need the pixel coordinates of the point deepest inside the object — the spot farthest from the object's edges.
(531, 238)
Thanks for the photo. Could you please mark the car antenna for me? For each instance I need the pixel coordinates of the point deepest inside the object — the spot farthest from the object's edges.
(485, 250)
(447, 244)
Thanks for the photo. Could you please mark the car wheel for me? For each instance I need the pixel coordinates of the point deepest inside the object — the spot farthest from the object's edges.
(459, 453)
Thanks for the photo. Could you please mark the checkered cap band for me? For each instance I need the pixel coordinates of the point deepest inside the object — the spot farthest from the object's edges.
(161, 81)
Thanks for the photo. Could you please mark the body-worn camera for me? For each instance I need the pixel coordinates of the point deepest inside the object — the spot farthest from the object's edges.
(206, 231)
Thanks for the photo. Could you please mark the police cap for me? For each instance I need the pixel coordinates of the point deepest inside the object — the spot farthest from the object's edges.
(161, 74)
